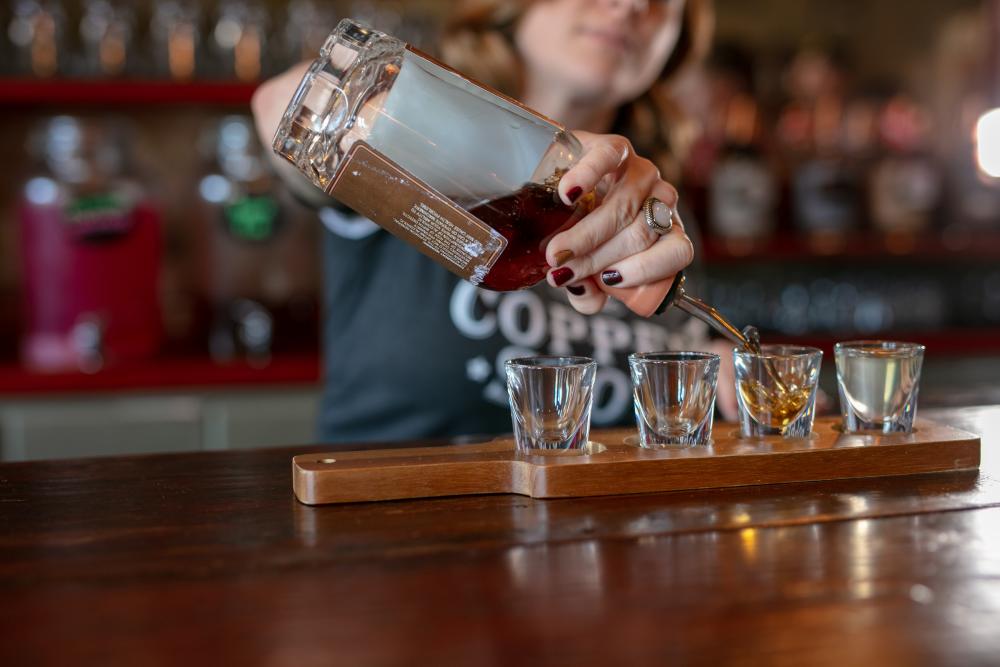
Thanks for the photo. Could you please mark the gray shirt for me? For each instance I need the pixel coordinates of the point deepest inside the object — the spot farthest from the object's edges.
(411, 351)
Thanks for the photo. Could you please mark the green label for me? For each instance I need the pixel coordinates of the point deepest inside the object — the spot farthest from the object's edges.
(98, 217)
(253, 218)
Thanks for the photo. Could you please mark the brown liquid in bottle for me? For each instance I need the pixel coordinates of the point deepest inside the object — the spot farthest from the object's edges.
(528, 219)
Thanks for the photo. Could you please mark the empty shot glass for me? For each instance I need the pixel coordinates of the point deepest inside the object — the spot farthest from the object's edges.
(878, 383)
(674, 395)
(550, 402)
(776, 390)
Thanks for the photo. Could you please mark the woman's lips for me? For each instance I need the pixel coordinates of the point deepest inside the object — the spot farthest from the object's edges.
(608, 38)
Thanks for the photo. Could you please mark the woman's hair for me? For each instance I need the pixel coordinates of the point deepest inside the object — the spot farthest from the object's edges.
(478, 40)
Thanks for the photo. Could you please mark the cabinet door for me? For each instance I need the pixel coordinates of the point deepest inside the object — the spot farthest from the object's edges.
(53, 429)
(271, 419)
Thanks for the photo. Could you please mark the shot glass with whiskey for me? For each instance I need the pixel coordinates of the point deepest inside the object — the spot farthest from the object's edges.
(776, 390)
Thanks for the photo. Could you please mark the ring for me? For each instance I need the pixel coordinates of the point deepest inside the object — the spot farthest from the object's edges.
(655, 212)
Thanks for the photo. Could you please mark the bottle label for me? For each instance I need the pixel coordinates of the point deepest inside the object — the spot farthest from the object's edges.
(254, 219)
(380, 190)
(101, 217)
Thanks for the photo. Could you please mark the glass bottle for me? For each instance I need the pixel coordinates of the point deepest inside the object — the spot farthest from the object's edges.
(107, 30)
(91, 250)
(37, 32)
(240, 39)
(466, 175)
(742, 189)
(825, 187)
(906, 183)
(259, 264)
(176, 37)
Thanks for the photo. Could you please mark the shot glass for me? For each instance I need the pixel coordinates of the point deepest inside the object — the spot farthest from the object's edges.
(550, 402)
(776, 390)
(878, 383)
(674, 395)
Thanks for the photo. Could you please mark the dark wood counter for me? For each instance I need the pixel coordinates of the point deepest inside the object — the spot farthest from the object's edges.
(208, 559)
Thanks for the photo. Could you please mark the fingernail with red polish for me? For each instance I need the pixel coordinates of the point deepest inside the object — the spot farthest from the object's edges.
(574, 194)
(611, 278)
(576, 290)
(562, 276)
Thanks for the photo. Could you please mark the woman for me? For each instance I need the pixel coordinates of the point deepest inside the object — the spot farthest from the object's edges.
(410, 350)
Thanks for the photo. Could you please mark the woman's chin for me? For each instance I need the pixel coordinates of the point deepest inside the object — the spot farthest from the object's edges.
(591, 82)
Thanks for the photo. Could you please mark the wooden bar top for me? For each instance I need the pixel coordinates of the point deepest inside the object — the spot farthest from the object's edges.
(209, 559)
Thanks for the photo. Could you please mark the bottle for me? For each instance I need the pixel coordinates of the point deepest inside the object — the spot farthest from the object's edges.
(174, 31)
(825, 187)
(37, 31)
(742, 189)
(240, 39)
(906, 183)
(258, 263)
(91, 253)
(466, 175)
(107, 30)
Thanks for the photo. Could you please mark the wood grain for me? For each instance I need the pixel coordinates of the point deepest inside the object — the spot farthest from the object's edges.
(209, 559)
(621, 468)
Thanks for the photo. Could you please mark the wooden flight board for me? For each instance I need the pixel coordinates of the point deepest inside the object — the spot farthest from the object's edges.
(615, 465)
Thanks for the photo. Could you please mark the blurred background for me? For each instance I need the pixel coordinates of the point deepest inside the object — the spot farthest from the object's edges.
(840, 158)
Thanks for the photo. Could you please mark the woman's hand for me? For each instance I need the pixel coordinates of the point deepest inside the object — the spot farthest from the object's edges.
(613, 244)
(271, 98)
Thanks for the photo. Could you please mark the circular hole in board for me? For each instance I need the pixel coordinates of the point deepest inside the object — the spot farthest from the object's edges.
(839, 428)
(590, 449)
(327, 461)
(633, 441)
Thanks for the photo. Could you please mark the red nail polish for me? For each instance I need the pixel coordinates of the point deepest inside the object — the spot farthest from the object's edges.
(611, 278)
(562, 276)
(576, 290)
(574, 194)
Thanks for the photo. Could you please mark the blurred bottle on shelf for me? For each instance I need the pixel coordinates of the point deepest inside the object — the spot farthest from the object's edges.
(743, 188)
(861, 128)
(705, 95)
(184, 40)
(906, 184)
(107, 32)
(37, 32)
(726, 173)
(260, 263)
(825, 188)
(90, 243)
(824, 181)
(175, 29)
(239, 38)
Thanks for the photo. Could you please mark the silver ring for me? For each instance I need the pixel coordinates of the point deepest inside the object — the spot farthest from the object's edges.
(655, 212)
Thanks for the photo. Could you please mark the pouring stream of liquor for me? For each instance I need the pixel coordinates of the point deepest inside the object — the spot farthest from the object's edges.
(748, 339)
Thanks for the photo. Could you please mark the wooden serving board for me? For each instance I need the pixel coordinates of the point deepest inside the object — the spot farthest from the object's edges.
(616, 466)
